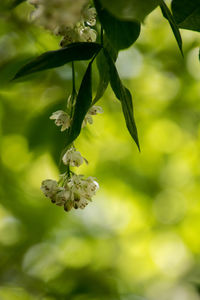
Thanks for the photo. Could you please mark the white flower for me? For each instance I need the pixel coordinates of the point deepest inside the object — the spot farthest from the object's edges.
(75, 183)
(72, 158)
(81, 187)
(61, 119)
(86, 34)
(92, 186)
(70, 35)
(79, 33)
(75, 192)
(87, 119)
(89, 16)
(59, 13)
(67, 18)
(61, 197)
(49, 187)
(94, 110)
(80, 203)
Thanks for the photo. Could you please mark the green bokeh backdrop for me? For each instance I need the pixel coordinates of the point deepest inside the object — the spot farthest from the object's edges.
(140, 237)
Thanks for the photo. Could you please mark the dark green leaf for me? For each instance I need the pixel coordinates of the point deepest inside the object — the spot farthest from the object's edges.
(121, 34)
(187, 13)
(123, 94)
(6, 5)
(83, 103)
(14, 3)
(130, 9)
(104, 77)
(167, 14)
(103, 69)
(53, 59)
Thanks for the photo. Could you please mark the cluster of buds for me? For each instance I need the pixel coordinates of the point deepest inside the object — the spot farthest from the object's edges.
(72, 191)
(69, 18)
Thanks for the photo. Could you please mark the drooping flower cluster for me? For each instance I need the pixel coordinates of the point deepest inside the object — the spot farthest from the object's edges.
(73, 191)
(73, 158)
(71, 19)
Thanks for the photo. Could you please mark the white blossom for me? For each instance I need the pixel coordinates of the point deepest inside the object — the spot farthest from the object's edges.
(58, 13)
(61, 197)
(89, 16)
(73, 158)
(81, 187)
(68, 18)
(49, 187)
(92, 186)
(70, 36)
(87, 119)
(76, 192)
(94, 110)
(61, 119)
(87, 34)
(75, 183)
(79, 33)
(80, 203)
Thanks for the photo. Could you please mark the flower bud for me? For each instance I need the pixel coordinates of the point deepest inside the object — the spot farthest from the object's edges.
(61, 197)
(68, 205)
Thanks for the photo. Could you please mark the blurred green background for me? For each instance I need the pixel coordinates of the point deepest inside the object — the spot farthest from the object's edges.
(140, 237)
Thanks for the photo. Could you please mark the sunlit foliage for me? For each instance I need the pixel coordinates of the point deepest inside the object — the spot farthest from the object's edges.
(139, 239)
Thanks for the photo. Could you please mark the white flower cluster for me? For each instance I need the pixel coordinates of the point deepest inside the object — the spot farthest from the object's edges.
(72, 190)
(63, 119)
(76, 191)
(71, 19)
(73, 158)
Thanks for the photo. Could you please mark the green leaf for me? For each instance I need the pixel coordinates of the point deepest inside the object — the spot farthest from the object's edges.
(187, 14)
(123, 94)
(103, 76)
(6, 5)
(57, 58)
(14, 3)
(83, 103)
(103, 69)
(135, 10)
(167, 14)
(121, 34)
